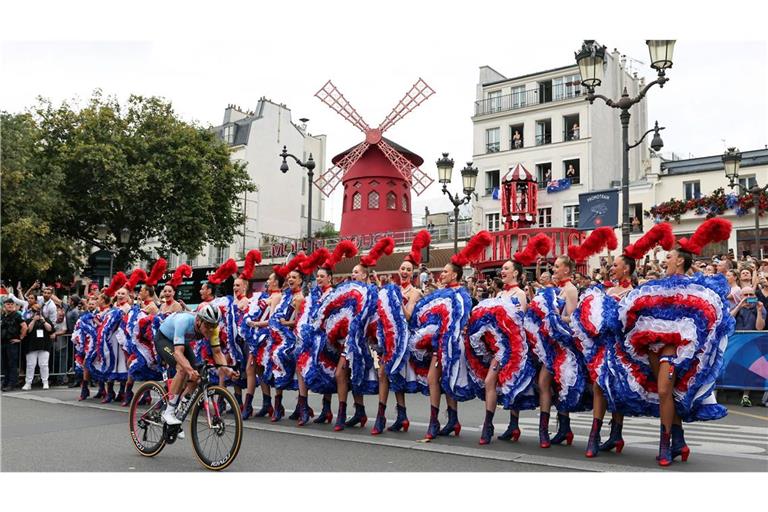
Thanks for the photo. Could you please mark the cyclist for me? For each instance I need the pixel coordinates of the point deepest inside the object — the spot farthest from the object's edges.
(173, 344)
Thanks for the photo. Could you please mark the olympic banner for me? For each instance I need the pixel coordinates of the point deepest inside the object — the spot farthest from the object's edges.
(599, 209)
(745, 364)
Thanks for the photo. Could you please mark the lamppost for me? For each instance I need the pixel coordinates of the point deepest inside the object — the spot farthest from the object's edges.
(591, 59)
(102, 231)
(309, 165)
(732, 163)
(468, 178)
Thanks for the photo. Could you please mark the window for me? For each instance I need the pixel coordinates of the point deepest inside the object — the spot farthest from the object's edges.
(373, 200)
(747, 181)
(391, 201)
(545, 217)
(229, 134)
(492, 140)
(491, 182)
(571, 129)
(357, 201)
(518, 96)
(492, 221)
(636, 218)
(217, 255)
(405, 202)
(545, 91)
(543, 174)
(566, 87)
(571, 214)
(516, 136)
(572, 170)
(543, 132)
(494, 101)
(691, 190)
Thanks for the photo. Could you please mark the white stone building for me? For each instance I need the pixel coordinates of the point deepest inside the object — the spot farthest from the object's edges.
(557, 129)
(275, 209)
(700, 177)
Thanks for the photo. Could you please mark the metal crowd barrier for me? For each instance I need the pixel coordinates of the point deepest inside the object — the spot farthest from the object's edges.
(61, 361)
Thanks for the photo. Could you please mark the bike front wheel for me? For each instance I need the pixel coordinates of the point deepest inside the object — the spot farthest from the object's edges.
(216, 441)
(145, 419)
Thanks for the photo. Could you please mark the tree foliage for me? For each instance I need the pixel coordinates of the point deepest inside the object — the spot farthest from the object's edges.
(136, 166)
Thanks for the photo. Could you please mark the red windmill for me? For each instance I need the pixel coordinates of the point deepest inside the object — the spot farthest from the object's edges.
(377, 174)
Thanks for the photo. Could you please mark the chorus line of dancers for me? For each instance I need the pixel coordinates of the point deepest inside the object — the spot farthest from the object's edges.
(653, 350)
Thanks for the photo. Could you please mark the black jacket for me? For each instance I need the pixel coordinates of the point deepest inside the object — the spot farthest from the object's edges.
(41, 342)
(11, 327)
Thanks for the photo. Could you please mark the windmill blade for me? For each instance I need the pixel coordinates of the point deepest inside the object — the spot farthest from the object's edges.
(418, 94)
(415, 177)
(331, 96)
(328, 181)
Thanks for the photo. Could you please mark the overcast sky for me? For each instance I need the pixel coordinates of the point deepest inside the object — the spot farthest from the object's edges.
(202, 61)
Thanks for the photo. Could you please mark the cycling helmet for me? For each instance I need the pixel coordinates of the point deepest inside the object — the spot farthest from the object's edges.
(209, 314)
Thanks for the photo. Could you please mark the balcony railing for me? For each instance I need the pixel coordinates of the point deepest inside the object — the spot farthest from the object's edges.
(570, 135)
(545, 138)
(525, 99)
(493, 147)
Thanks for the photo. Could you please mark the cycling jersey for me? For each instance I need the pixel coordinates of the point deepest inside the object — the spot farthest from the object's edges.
(180, 327)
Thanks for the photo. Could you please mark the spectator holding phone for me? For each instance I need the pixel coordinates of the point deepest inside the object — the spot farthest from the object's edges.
(750, 316)
(39, 346)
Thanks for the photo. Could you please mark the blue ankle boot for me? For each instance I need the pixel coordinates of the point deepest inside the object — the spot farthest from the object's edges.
(247, 407)
(266, 407)
(434, 424)
(564, 432)
(325, 416)
(614, 440)
(593, 443)
(678, 443)
(358, 417)
(513, 429)
(487, 432)
(341, 417)
(665, 452)
(544, 441)
(401, 423)
(381, 420)
(453, 424)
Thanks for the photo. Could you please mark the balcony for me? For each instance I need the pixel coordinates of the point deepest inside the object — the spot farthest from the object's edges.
(493, 147)
(526, 99)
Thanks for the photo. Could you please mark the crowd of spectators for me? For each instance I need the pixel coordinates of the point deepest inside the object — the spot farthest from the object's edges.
(36, 329)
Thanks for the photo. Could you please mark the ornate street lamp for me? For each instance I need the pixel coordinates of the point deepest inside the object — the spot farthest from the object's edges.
(309, 165)
(468, 178)
(591, 60)
(732, 164)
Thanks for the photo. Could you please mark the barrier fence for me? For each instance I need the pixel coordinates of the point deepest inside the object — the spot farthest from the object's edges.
(61, 360)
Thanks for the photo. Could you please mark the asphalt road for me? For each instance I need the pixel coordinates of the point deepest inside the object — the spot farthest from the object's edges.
(51, 431)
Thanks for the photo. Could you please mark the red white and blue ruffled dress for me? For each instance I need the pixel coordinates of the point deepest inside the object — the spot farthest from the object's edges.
(596, 325)
(438, 327)
(143, 361)
(84, 338)
(256, 337)
(392, 338)
(338, 328)
(281, 363)
(305, 337)
(555, 348)
(496, 336)
(690, 313)
(106, 360)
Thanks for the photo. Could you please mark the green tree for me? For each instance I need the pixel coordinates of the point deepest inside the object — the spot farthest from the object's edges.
(137, 166)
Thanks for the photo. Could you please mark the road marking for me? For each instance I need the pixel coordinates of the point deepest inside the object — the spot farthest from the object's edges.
(739, 413)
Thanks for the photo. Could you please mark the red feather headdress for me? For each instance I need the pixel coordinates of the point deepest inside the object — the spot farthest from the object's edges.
(179, 274)
(598, 240)
(539, 245)
(420, 241)
(712, 230)
(158, 269)
(224, 272)
(316, 259)
(118, 281)
(291, 265)
(660, 234)
(384, 246)
(137, 276)
(473, 250)
(252, 259)
(344, 249)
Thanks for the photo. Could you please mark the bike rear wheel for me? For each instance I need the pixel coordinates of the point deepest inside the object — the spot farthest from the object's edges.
(145, 420)
(216, 441)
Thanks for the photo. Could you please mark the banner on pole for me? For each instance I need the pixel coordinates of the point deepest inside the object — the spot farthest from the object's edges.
(598, 209)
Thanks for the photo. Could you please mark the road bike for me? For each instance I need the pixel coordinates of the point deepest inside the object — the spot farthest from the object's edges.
(216, 441)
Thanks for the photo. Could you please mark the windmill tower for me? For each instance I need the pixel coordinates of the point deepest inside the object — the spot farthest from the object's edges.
(377, 175)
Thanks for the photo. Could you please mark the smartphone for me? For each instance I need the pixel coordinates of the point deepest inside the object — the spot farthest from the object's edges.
(751, 300)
